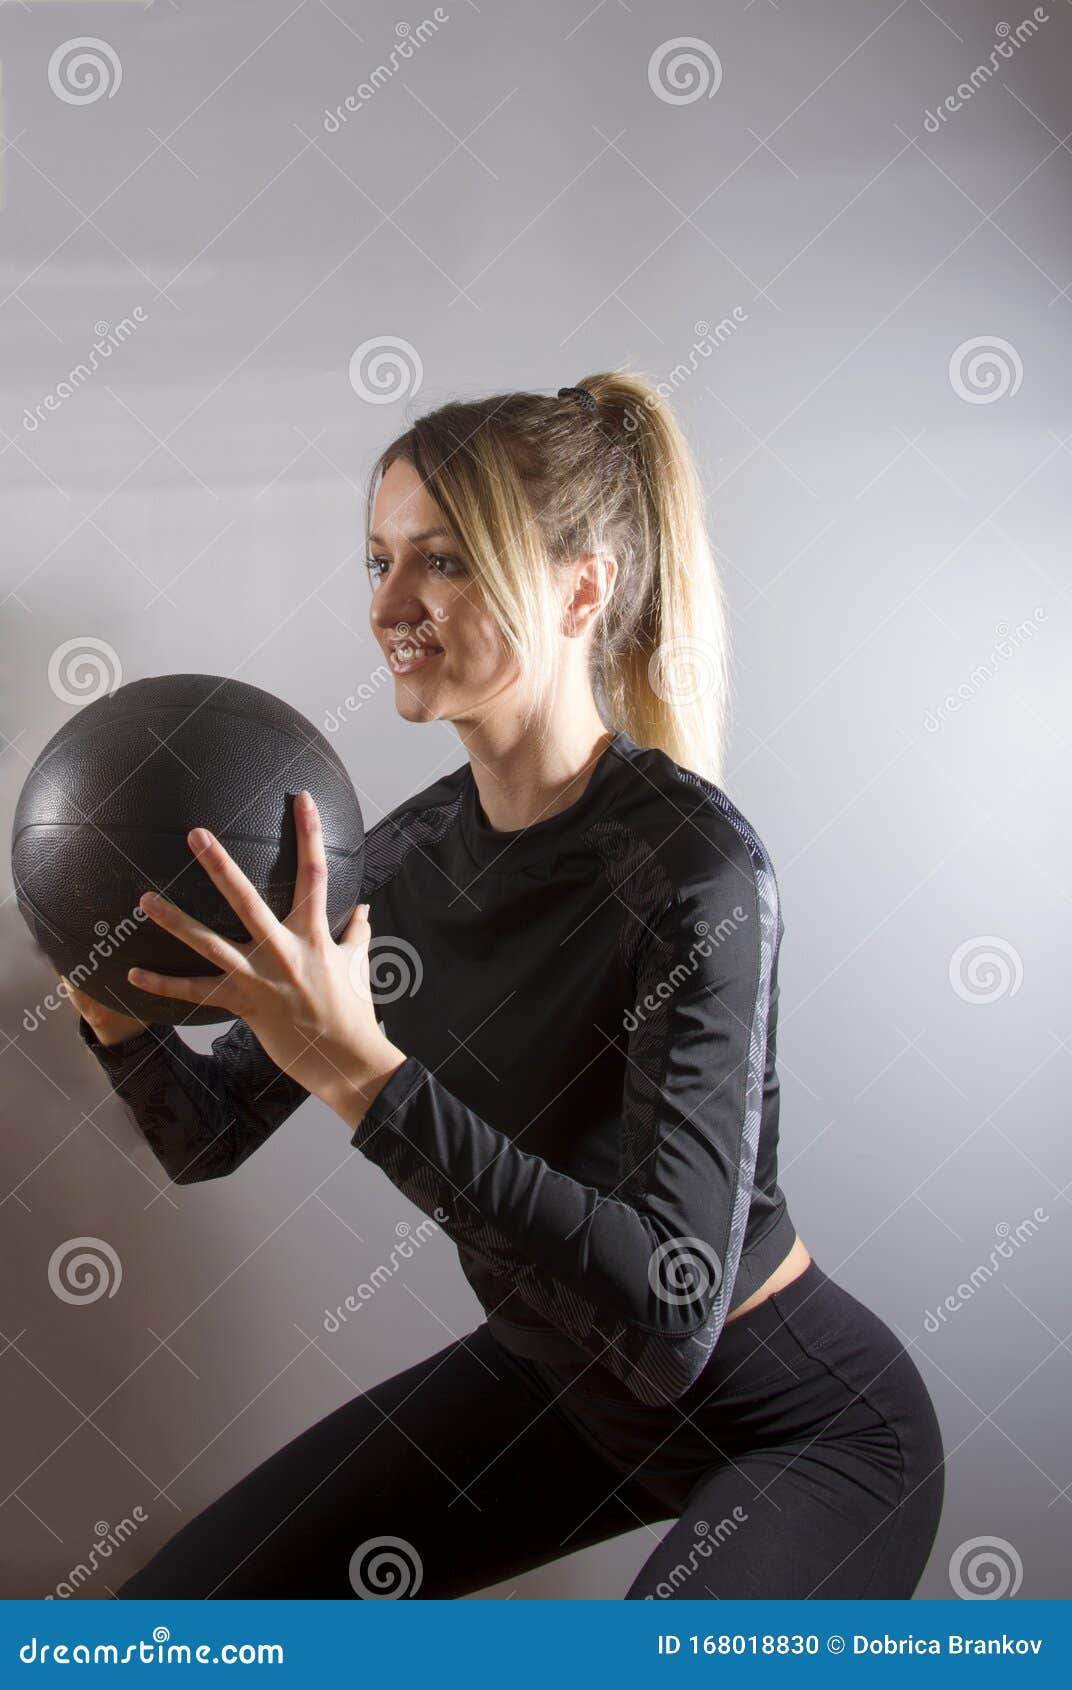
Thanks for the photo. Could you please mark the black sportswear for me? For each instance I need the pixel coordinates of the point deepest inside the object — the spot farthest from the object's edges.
(589, 1100)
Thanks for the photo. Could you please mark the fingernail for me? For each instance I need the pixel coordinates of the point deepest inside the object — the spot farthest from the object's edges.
(200, 837)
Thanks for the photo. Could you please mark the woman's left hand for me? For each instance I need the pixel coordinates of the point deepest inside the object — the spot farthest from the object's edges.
(306, 998)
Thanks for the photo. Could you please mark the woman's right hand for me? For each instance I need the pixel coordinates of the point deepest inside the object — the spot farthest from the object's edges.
(110, 1026)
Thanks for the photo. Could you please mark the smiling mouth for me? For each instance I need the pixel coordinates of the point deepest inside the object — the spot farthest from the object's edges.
(405, 658)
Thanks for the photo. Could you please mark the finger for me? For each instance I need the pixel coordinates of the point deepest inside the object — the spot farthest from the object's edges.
(189, 989)
(193, 933)
(240, 892)
(357, 930)
(309, 910)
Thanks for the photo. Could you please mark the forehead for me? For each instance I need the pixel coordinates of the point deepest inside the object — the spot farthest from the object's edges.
(404, 508)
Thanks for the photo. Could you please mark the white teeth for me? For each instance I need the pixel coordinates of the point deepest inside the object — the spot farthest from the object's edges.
(409, 653)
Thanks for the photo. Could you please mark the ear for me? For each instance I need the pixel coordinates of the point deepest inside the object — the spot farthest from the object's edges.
(590, 589)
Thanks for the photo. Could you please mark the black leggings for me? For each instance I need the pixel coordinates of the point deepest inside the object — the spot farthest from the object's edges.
(806, 1462)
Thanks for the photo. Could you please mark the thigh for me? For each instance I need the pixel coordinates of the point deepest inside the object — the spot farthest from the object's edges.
(439, 1481)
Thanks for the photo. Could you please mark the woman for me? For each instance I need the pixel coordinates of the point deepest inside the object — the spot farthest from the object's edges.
(579, 1086)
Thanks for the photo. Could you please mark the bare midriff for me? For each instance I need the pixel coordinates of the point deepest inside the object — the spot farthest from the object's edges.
(789, 1268)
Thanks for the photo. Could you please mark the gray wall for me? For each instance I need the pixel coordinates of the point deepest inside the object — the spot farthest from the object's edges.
(519, 204)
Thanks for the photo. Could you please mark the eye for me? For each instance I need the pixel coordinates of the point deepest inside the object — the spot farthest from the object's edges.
(451, 564)
(373, 565)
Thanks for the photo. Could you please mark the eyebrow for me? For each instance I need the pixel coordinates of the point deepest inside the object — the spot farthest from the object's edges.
(415, 539)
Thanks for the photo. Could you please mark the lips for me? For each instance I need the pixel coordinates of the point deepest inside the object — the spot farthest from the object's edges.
(412, 654)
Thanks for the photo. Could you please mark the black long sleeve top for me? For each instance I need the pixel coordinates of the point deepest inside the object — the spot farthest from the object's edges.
(589, 1100)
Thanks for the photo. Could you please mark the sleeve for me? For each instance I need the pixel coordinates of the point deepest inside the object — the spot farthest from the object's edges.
(202, 1115)
(641, 1276)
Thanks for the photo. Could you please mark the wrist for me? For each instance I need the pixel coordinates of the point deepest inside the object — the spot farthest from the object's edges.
(355, 1092)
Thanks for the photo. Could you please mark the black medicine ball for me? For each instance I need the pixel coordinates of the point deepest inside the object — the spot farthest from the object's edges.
(106, 808)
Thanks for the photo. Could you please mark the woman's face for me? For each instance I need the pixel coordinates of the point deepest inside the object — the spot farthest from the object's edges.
(443, 648)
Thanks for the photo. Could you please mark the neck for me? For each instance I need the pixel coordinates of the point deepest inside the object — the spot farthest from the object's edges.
(523, 776)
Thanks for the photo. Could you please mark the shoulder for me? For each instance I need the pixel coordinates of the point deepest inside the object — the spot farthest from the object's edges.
(420, 820)
(703, 844)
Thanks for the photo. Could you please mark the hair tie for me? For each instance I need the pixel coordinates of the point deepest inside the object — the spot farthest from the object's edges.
(588, 401)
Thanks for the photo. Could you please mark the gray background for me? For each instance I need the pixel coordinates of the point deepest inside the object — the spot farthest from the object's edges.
(520, 206)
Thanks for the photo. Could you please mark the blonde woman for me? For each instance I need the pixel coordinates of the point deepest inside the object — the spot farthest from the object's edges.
(579, 1085)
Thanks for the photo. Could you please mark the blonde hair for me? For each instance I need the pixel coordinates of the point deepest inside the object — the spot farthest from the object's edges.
(527, 483)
